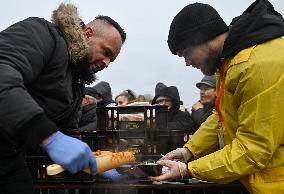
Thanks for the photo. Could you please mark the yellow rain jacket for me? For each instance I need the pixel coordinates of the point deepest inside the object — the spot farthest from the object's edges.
(252, 107)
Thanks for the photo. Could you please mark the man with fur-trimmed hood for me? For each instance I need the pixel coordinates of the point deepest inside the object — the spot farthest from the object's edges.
(44, 67)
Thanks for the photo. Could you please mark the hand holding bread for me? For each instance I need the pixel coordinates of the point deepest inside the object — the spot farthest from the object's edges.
(106, 160)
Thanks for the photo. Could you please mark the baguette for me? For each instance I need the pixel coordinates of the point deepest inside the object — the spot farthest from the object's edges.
(106, 160)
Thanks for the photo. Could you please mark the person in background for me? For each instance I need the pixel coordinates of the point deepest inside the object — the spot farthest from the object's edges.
(125, 97)
(48, 64)
(177, 119)
(202, 109)
(244, 139)
(102, 92)
(159, 86)
(88, 116)
(140, 98)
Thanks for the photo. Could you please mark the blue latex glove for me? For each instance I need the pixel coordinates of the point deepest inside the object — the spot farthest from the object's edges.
(112, 174)
(72, 154)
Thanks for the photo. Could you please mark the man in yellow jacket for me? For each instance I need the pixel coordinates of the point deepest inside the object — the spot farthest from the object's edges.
(244, 138)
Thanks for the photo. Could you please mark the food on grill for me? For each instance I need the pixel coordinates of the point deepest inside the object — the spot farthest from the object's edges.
(106, 160)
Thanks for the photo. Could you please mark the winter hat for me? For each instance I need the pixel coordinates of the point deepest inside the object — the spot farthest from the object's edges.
(90, 91)
(103, 88)
(170, 92)
(207, 80)
(159, 87)
(195, 24)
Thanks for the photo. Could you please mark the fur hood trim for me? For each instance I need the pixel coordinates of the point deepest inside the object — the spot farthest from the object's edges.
(67, 19)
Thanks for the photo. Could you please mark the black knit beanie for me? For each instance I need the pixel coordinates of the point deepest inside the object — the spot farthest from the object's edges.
(195, 24)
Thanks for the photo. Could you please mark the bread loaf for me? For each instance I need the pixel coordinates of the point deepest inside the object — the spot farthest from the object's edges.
(106, 160)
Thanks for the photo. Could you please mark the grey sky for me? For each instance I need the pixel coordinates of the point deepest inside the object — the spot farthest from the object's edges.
(145, 58)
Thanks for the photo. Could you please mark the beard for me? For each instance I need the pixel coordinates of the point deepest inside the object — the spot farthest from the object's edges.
(85, 73)
(211, 63)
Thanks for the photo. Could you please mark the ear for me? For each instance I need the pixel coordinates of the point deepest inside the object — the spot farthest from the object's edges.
(88, 32)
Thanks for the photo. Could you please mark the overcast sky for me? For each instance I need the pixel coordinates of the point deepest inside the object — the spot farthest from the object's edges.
(145, 58)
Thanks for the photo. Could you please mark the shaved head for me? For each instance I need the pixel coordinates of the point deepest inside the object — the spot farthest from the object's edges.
(99, 27)
(101, 23)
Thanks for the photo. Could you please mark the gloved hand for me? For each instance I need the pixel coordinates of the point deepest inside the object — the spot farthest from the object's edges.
(177, 170)
(181, 154)
(72, 154)
(111, 174)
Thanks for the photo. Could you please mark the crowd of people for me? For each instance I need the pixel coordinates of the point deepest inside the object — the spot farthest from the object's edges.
(179, 117)
(237, 124)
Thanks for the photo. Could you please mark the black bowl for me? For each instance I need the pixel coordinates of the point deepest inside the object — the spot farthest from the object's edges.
(150, 169)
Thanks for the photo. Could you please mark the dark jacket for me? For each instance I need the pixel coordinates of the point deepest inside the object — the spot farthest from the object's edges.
(88, 118)
(176, 118)
(258, 24)
(40, 87)
(200, 115)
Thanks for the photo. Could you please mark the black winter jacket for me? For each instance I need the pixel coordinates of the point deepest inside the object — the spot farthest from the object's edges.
(200, 115)
(88, 118)
(40, 91)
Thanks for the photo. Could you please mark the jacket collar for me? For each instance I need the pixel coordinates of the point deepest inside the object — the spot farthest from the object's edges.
(241, 57)
(68, 21)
